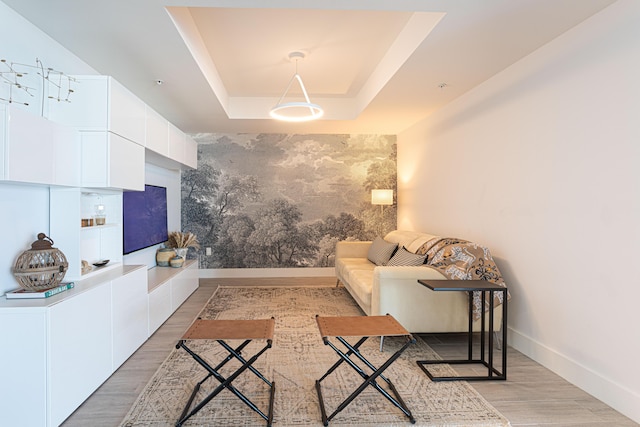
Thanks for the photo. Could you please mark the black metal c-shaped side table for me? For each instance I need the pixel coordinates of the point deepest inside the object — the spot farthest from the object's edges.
(487, 360)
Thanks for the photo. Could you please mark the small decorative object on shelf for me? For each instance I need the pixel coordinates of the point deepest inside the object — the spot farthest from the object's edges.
(182, 252)
(176, 262)
(86, 268)
(101, 263)
(100, 217)
(181, 242)
(41, 267)
(164, 255)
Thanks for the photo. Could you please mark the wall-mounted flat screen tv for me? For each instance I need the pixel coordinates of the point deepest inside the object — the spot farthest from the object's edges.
(144, 218)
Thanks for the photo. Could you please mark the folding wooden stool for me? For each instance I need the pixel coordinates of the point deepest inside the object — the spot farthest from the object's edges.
(221, 330)
(365, 327)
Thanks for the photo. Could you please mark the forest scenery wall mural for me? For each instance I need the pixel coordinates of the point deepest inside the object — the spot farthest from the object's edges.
(284, 200)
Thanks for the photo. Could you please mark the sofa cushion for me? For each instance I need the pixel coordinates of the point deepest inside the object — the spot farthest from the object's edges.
(381, 251)
(411, 240)
(344, 266)
(404, 257)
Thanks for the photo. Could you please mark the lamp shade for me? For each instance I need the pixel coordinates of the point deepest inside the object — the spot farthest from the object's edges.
(381, 197)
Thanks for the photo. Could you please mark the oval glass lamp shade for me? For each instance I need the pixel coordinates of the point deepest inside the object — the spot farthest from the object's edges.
(296, 112)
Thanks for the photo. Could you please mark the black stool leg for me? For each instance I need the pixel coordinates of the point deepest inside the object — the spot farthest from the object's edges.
(369, 379)
(226, 383)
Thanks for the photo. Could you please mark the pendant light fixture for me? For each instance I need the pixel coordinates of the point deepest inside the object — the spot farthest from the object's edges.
(296, 111)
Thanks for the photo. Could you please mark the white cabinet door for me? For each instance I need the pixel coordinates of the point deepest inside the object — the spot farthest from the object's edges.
(127, 113)
(80, 349)
(130, 310)
(159, 306)
(191, 152)
(157, 136)
(183, 285)
(27, 146)
(110, 161)
(66, 163)
(36, 150)
(24, 368)
(100, 103)
(176, 144)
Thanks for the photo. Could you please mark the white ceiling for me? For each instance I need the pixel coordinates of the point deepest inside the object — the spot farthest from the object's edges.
(375, 66)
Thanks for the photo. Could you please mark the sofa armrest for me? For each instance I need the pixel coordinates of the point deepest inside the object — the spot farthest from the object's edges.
(396, 291)
(352, 249)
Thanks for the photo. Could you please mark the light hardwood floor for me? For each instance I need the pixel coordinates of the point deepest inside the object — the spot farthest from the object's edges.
(531, 396)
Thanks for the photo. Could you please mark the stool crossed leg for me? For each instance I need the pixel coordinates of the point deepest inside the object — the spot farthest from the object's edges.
(369, 379)
(226, 382)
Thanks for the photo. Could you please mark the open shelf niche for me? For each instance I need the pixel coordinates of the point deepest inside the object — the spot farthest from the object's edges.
(76, 233)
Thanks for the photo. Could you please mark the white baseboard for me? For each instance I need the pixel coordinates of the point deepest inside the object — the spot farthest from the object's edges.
(226, 273)
(620, 398)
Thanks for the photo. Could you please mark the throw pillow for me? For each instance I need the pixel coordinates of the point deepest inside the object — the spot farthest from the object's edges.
(381, 251)
(404, 257)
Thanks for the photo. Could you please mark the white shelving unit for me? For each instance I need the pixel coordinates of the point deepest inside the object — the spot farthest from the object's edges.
(60, 349)
(68, 206)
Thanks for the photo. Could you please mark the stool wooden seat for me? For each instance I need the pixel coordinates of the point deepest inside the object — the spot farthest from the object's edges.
(230, 329)
(221, 330)
(365, 327)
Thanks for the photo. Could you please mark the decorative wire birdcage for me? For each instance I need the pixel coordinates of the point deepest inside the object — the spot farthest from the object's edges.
(41, 267)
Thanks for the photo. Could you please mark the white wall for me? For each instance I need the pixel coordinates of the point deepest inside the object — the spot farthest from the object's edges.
(541, 163)
(23, 43)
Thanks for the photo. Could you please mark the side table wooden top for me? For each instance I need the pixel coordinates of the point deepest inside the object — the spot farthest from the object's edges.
(461, 285)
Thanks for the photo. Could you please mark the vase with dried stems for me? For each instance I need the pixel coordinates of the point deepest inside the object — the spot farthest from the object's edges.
(181, 242)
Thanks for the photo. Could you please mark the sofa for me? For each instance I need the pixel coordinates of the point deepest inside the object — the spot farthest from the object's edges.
(380, 287)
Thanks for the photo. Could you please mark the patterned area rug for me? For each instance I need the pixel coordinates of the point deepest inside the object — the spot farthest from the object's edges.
(298, 357)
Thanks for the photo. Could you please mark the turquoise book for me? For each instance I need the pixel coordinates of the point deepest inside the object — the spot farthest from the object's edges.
(24, 293)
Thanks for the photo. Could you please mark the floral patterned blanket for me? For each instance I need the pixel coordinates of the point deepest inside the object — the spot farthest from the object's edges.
(462, 260)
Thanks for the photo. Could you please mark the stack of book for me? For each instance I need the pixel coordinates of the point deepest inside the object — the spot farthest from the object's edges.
(24, 293)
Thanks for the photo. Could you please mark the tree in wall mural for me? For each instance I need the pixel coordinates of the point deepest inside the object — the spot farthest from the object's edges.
(276, 201)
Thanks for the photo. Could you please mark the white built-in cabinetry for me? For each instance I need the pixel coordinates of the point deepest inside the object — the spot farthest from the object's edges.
(58, 350)
(112, 124)
(100, 103)
(102, 138)
(167, 145)
(182, 147)
(168, 290)
(36, 150)
(157, 135)
(129, 315)
(111, 161)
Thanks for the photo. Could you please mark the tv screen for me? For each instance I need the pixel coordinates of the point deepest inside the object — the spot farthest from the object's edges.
(144, 218)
